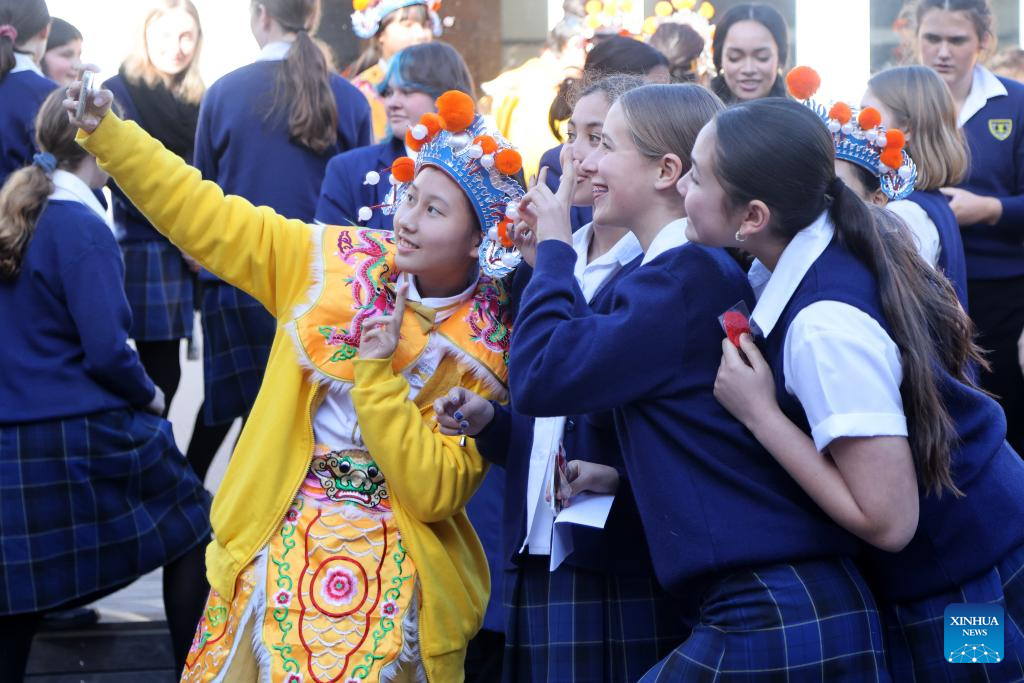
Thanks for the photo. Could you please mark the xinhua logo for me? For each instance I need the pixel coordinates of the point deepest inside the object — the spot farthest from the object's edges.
(974, 633)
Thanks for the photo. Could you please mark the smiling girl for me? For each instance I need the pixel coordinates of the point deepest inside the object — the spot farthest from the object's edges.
(342, 550)
(730, 534)
(750, 49)
(862, 393)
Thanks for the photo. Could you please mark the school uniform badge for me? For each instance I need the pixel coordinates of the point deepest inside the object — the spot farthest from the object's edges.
(973, 633)
(1000, 128)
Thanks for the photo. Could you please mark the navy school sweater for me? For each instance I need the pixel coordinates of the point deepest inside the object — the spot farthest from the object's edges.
(957, 538)
(21, 95)
(710, 497)
(951, 247)
(66, 323)
(995, 136)
(620, 547)
(343, 191)
(250, 155)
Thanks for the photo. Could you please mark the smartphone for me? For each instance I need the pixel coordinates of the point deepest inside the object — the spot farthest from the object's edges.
(85, 95)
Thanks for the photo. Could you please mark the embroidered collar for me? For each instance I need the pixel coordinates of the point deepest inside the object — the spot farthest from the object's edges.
(624, 251)
(444, 306)
(984, 87)
(775, 288)
(274, 52)
(69, 187)
(671, 236)
(24, 62)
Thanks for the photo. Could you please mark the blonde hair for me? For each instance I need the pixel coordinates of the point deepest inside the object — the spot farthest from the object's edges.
(188, 85)
(653, 133)
(923, 106)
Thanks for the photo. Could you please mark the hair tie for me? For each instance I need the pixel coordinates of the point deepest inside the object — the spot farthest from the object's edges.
(45, 161)
(834, 187)
(8, 30)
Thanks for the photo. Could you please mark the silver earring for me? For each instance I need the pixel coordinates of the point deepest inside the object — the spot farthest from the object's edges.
(739, 237)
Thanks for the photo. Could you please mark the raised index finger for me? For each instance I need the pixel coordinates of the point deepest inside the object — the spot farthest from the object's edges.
(396, 316)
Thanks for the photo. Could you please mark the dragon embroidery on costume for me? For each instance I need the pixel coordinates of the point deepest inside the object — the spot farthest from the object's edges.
(486, 317)
(369, 292)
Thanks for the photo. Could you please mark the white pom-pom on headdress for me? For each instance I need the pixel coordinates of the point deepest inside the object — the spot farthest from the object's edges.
(365, 213)
(372, 178)
(419, 132)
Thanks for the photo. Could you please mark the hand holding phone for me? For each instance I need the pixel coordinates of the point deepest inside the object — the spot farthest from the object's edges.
(85, 94)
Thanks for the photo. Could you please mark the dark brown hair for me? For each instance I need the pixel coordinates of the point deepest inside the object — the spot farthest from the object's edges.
(979, 11)
(23, 196)
(188, 85)
(926, 320)
(432, 68)
(682, 45)
(28, 17)
(304, 84)
(767, 16)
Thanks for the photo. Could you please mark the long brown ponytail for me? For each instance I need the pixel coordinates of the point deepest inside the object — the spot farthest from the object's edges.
(28, 18)
(23, 196)
(303, 86)
(925, 319)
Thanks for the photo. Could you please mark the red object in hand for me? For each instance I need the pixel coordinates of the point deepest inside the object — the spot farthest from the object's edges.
(736, 325)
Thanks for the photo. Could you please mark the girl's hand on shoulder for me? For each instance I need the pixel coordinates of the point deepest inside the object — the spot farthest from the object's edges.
(547, 212)
(744, 385)
(382, 334)
(95, 109)
(588, 476)
(463, 412)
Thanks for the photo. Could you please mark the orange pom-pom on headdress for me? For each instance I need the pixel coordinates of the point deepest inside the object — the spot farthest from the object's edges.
(895, 139)
(841, 112)
(411, 142)
(508, 162)
(869, 118)
(892, 157)
(403, 169)
(456, 110)
(486, 143)
(433, 123)
(803, 82)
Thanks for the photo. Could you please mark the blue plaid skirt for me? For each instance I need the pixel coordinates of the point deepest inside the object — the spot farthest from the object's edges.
(804, 622)
(914, 630)
(237, 334)
(158, 285)
(91, 503)
(585, 627)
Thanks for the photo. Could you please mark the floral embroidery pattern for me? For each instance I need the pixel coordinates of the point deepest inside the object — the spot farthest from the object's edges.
(389, 611)
(369, 292)
(487, 317)
(282, 599)
(338, 586)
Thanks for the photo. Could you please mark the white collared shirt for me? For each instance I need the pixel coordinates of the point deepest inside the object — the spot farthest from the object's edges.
(24, 62)
(839, 363)
(69, 187)
(274, 52)
(984, 86)
(671, 236)
(922, 228)
(336, 423)
(592, 276)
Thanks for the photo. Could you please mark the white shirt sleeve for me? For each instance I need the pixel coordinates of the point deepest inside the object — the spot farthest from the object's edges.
(926, 235)
(846, 372)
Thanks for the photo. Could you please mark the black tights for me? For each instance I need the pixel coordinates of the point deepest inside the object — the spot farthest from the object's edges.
(205, 442)
(163, 365)
(185, 593)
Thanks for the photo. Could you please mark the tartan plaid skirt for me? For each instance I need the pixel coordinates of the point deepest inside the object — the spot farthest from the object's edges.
(914, 631)
(158, 285)
(809, 621)
(585, 627)
(91, 503)
(237, 334)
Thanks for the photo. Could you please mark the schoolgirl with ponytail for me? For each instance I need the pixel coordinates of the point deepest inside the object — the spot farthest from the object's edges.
(82, 445)
(731, 536)
(859, 386)
(24, 28)
(287, 111)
